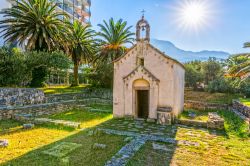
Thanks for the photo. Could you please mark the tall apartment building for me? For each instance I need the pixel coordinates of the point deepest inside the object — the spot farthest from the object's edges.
(76, 9)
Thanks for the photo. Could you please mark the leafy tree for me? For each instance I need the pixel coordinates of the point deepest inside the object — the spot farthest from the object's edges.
(114, 36)
(101, 76)
(211, 69)
(42, 63)
(81, 46)
(221, 85)
(33, 21)
(193, 75)
(13, 70)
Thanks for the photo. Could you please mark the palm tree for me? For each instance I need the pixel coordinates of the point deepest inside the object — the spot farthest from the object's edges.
(33, 21)
(239, 65)
(80, 45)
(114, 36)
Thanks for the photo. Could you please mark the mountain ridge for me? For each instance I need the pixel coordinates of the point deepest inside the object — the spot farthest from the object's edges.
(183, 55)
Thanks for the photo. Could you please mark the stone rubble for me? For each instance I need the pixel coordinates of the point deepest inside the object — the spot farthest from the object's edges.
(58, 122)
(4, 143)
(28, 126)
(99, 146)
(215, 121)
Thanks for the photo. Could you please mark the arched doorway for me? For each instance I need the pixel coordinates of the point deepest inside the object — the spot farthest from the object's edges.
(141, 88)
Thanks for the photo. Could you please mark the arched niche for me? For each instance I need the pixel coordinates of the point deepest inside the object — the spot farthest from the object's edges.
(141, 84)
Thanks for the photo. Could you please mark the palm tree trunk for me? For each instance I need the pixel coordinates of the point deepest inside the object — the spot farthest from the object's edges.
(76, 80)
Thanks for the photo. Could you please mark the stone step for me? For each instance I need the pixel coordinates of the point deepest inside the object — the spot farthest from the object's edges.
(58, 122)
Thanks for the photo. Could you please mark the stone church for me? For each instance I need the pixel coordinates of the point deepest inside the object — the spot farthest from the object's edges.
(148, 84)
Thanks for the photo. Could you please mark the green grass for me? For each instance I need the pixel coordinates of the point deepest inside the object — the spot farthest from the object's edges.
(245, 101)
(9, 125)
(229, 147)
(200, 115)
(84, 155)
(234, 125)
(221, 98)
(25, 142)
(107, 107)
(86, 118)
(149, 156)
(63, 89)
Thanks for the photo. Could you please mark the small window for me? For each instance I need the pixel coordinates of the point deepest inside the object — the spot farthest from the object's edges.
(140, 61)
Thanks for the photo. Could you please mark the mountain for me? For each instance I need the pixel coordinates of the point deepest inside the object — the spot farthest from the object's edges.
(184, 56)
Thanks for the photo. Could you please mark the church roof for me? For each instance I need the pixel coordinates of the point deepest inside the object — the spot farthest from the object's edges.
(144, 70)
(154, 48)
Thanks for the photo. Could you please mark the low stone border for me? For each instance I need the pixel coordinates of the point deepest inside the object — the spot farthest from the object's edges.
(214, 122)
(204, 105)
(194, 123)
(243, 117)
(241, 108)
(57, 122)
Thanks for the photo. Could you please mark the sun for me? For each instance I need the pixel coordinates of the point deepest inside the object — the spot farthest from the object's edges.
(193, 14)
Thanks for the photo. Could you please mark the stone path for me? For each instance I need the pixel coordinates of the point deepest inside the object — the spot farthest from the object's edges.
(58, 122)
(138, 139)
(128, 151)
(122, 157)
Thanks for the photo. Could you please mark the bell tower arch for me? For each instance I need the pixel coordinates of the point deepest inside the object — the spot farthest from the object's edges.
(141, 26)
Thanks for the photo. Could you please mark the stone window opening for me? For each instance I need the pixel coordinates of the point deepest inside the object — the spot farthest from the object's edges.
(140, 61)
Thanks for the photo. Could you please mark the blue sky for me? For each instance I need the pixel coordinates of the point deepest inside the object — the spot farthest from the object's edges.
(227, 25)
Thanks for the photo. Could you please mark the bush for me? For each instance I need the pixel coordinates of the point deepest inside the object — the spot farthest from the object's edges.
(220, 85)
(29, 68)
(13, 69)
(101, 76)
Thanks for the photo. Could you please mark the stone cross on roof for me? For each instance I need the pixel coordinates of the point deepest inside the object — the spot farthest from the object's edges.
(143, 12)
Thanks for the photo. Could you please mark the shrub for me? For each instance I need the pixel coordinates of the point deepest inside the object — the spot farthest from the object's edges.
(220, 85)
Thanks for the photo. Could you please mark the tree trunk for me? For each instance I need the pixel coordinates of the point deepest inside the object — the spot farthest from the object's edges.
(76, 80)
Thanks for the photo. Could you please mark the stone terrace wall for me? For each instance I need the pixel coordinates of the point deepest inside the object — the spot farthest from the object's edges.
(88, 93)
(241, 108)
(46, 108)
(20, 96)
(204, 105)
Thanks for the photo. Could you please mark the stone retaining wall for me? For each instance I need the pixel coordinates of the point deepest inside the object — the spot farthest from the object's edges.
(9, 112)
(87, 93)
(241, 108)
(204, 105)
(20, 96)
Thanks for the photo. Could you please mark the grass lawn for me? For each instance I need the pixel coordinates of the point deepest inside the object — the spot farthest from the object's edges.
(221, 98)
(245, 101)
(63, 89)
(199, 115)
(25, 142)
(229, 147)
(84, 155)
(86, 118)
(106, 107)
(28, 147)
